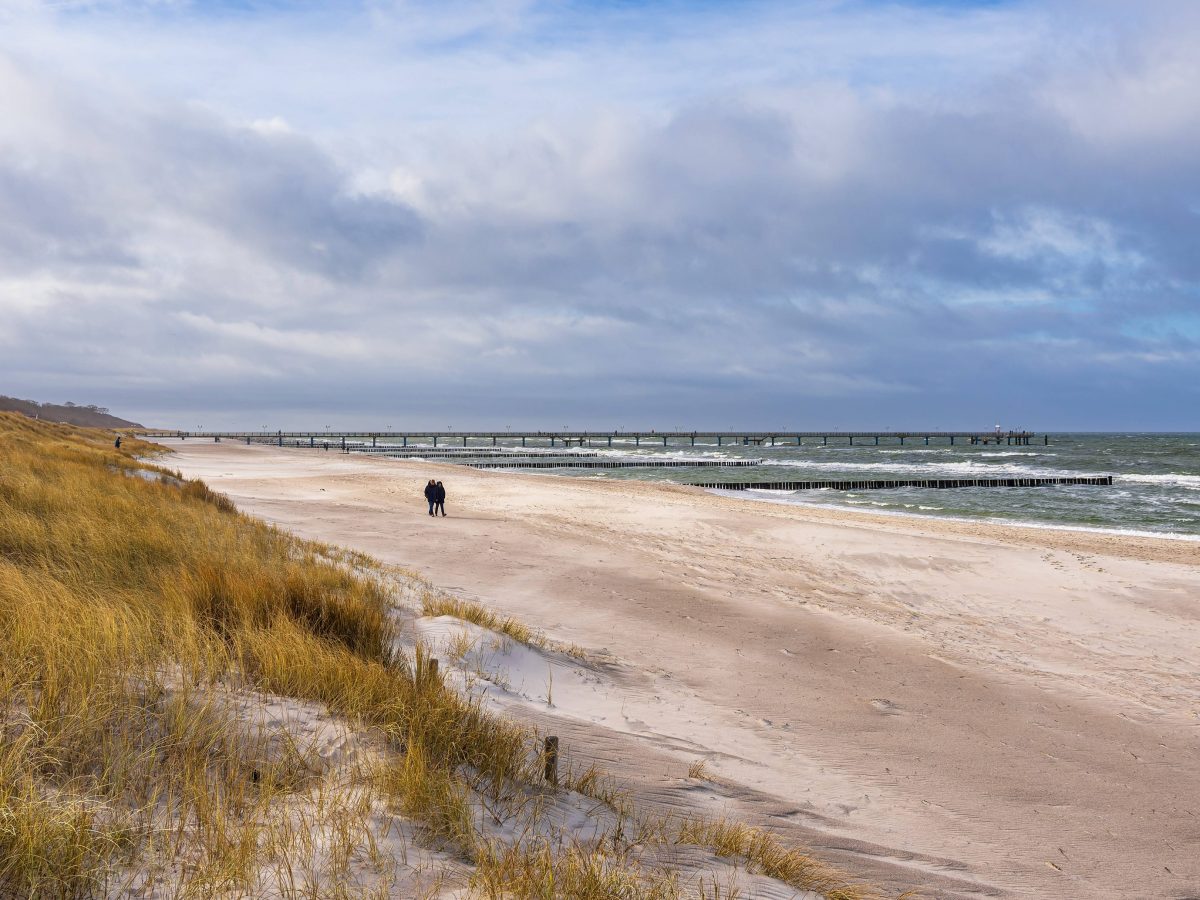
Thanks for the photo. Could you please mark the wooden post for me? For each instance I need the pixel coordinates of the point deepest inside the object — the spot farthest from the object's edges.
(552, 760)
(372, 440)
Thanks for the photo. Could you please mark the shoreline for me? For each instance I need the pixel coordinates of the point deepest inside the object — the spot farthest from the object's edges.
(1049, 526)
(960, 695)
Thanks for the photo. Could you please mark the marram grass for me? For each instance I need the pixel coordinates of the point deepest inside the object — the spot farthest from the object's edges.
(139, 612)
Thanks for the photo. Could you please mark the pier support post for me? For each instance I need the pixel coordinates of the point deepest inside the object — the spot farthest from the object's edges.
(343, 443)
(851, 440)
(312, 440)
(551, 772)
(281, 439)
(493, 440)
(405, 440)
(876, 440)
(718, 440)
(926, 440)
(664, 441)
(610, 440)
(522, 440)
(435, 440)
(637, 440)
(951, 440)
(464, 440)
(693, 440)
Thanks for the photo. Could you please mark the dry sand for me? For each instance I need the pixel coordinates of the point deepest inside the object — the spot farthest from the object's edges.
(971, 709)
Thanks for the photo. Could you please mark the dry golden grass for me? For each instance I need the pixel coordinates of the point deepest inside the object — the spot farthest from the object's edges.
(771, 858)
(437, 604)
(141, 615)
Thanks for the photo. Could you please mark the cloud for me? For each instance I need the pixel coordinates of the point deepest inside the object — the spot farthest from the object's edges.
(522, 211)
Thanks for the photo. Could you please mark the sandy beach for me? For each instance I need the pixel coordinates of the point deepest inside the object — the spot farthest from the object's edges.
(967, 709)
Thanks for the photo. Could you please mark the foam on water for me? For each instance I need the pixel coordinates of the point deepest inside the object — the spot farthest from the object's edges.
(1156, 478)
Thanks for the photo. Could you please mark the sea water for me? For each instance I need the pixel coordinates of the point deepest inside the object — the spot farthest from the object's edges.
(1156, 477)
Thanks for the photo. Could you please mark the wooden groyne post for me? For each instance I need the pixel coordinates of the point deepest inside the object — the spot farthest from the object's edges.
(888, 484)
(551, 755)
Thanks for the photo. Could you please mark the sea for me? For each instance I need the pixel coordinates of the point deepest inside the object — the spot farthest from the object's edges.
(1156, 478)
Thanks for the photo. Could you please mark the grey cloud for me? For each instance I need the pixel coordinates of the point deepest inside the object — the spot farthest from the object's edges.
(821, 253)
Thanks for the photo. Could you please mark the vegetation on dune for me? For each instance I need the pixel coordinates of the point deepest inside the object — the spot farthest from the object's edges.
(142, 617)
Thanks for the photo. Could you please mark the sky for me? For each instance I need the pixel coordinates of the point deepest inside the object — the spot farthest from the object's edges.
(775, 215)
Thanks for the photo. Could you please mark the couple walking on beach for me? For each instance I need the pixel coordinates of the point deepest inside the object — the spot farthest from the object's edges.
(436, 495)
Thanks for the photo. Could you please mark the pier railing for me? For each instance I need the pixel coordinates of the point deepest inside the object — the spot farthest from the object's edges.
(608, 438)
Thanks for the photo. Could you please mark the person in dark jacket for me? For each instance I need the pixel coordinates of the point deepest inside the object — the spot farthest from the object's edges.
(439, 499)
(431, 494)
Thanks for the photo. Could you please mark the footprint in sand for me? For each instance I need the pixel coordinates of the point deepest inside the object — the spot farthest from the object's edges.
(887, 707)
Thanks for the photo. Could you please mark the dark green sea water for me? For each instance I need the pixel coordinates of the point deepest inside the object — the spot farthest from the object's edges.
(1156, 487)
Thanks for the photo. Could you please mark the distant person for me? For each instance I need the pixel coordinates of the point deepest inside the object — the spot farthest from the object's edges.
(117, 442)
(439, 499)
(431, 494)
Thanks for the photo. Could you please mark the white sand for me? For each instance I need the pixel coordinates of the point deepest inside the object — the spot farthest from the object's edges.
(966, 708)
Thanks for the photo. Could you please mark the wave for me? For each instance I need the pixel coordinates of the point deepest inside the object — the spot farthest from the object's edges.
(1174, 479)
(857, 507)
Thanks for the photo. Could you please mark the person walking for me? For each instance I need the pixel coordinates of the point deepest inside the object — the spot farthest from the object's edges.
(439, 499)
(431, 494)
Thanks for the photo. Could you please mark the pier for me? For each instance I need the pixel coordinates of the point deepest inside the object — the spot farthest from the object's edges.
(564, 439)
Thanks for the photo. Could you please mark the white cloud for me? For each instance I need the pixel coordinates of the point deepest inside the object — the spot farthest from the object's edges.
(678, 210)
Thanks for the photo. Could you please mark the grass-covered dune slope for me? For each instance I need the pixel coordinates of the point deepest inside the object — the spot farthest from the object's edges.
(193, 703)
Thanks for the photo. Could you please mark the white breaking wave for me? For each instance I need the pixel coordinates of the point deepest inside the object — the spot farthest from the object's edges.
(1177, 479)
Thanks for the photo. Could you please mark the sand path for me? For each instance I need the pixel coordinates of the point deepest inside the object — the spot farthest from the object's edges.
(979, 709)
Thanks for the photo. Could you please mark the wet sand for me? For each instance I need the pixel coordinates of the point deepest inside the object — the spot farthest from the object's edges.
(970, 708)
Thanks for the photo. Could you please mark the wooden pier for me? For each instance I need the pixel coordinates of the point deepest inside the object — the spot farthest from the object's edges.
(887, 484)
(553, 439)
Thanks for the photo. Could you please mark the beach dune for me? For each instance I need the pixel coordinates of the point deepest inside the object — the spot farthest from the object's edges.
(970, 709)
